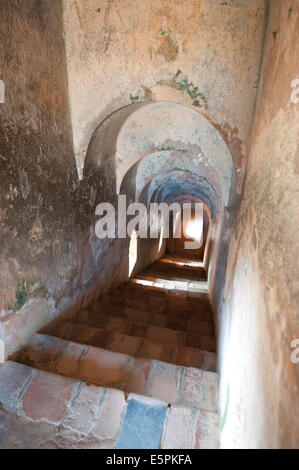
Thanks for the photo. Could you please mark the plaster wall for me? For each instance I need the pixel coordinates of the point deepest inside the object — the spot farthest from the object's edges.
(126, 51)
(50, 260)
(259, 314)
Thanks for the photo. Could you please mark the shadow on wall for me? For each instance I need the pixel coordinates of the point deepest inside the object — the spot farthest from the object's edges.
(149, 152)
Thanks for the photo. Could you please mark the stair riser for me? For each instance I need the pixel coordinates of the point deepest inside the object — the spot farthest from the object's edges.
(47, 411)
(167, 382)
(127, 321)
(173, 310)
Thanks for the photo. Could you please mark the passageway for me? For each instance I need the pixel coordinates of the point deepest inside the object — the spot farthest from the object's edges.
(116, 333)
(141, 359)
(152, 343)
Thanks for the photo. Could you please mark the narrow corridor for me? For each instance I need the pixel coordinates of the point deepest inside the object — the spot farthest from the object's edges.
(151, 342)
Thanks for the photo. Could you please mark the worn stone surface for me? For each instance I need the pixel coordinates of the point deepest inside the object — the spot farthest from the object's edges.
(179, 428)
(206, 433)
(200, 389)
(164, 381)
(15, 378)
(84, 408)
(111, 416)
(47, 389)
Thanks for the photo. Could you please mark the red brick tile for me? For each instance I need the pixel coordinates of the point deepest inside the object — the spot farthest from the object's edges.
(107, 308)
(63, 329)
(90, 335)
(108, 423)
(137, 315)
(203, 328)
(118, 324)
(162, 335)
(105, 368)
(157, 306)
(160, 352)
(68, 363)
(176, 323)
(47, 397)
(195, 340)
(138, 377)
(164, 381)
(159, 320)
(125, 344)
(92, 317)
(138, 329)
(137, 305)
(193, 357)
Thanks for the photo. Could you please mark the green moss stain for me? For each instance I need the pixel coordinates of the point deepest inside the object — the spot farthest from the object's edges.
(144, 94)
(134, 99)
(26, 288)
(179, 82)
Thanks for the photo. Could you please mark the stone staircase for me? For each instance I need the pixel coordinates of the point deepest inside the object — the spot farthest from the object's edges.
(137, 369)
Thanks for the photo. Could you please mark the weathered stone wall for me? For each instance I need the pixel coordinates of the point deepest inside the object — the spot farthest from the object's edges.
(130, 51)
(260, 316)
(49, 256)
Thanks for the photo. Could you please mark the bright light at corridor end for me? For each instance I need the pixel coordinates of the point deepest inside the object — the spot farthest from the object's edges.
(194, 230)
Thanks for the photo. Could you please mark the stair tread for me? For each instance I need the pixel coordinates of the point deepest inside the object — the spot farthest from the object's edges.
(152, 291)
(135, 346)
(126, 316)
(164, 265)
(148, 345)
(94, 415)
(140, 310)
(98, 366)
(175, 274)
(168, 283)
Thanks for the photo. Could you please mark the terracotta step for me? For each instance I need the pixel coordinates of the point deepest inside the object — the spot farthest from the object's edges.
(171, 305)
(127, 317)
(158, 267)
(173, 384)
(192, 293)
(136, 310)
(140, 311)
(49, 411)
(161, 269)
(178, 261)
(138, 288)
(169, 280)
(175, 277)
(138, 341)
(143, 287)
(120, 342)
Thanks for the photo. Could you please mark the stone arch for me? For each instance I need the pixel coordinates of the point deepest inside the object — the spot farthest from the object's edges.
(143, 140)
